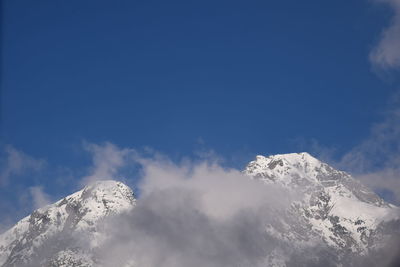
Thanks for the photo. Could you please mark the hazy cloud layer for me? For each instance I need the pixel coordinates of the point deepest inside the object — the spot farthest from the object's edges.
(386, 54)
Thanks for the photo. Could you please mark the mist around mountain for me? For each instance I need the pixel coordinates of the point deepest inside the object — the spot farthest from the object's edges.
(281, 210)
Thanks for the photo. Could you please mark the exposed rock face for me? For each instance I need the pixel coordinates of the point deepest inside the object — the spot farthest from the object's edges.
(71, 225)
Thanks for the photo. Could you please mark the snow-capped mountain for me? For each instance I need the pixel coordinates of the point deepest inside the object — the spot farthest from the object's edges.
(333, 212)
(71, 223)
(341, 211)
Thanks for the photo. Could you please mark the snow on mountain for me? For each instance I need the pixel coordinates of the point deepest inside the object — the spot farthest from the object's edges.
(335, 213)
(75, 216)
(338, 208)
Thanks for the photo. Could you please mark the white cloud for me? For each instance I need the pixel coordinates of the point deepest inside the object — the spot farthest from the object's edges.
(222, 191)
(386, 54)
(15, 163)
(196, 214)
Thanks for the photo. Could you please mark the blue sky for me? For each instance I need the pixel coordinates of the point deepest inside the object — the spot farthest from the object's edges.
(236, 77)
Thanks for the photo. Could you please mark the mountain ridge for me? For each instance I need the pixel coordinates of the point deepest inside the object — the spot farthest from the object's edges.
(336, 209)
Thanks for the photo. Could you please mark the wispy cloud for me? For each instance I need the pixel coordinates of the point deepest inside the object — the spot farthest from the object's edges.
(382, 146)
(314, 147)
(386, 54)
(376, 160)
(107, 159)
(39, 197)
(14, 163)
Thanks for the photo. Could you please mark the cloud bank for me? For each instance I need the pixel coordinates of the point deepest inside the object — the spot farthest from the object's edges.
(200, 215)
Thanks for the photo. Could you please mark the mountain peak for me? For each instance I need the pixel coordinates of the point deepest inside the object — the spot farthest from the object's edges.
(283, 166)
(329, 197)
(108, 192)
(290, 158)
(101, 198)
(306, 173)
(106, 184)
